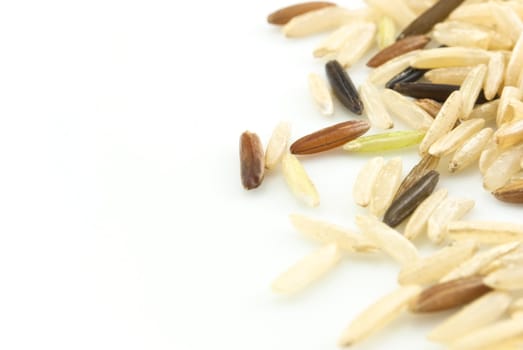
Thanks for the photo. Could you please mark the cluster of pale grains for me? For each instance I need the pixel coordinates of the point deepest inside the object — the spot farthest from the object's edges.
(467, 109)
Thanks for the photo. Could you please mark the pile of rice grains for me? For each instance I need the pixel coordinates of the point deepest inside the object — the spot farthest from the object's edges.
(454, 75)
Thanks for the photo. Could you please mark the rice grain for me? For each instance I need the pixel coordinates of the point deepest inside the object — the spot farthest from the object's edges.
(277, 145)
(307, 270)
(449, 210)
(374, 107)
(365, 181)
(321, 94)
(387, 239)
(384, 190)
(298, 181)
(418, 222)
(378, 315)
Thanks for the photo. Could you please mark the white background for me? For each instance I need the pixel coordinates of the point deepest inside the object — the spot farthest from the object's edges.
(123, 223)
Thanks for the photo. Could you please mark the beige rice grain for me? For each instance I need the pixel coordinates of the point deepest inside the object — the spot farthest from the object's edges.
(450, 57)
(418, 222)
(353, 50)
(325, 232)
(434, 267)
(384, 190)
(515, 64)
(378, 315)
(298, 181)
(480, 313)
(486, 232)
(479, 261)
(321, 94)
(509, 278)
(495, 76)
(444, 121)
(471, 88)
(277, 145)
(505, 114)
(470, 151)
(387, 239)
(405, 109)
(450, 75)
(449, 210)
(308, 270)
(364, 184)
(502, 168)
(374, 108)
(489, 335)
(456, 137)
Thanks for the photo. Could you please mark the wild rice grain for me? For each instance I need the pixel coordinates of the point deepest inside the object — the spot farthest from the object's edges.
(284, 15)
(251, 160)
(398, 48)
(343, 87)
(448, 295)
(389, 70)
(435, 14)
(425, 165)
(511, 192)
(384, 142)
(437, 92)
(430, 106)
(330, 137)
(409, 75)
(404, 205)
